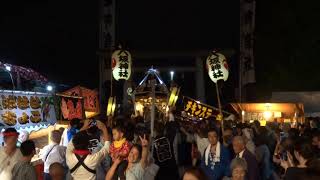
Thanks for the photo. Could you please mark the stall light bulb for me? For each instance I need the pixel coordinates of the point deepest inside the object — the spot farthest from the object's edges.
(267, 115)
(49, 88)
(8, 68)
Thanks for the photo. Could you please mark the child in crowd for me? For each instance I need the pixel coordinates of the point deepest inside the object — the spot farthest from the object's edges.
(56, 171)
(120, 147)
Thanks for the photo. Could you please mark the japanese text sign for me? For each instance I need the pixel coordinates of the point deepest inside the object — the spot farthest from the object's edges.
(217, 67)
(22, 109)
(121, 64)
(196, 109)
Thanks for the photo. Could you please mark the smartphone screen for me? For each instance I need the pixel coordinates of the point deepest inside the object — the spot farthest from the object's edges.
(93, 123)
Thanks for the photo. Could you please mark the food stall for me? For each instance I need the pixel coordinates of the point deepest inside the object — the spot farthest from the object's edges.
(29, 113)
(26, 106)
(26, 111)
(264, 112)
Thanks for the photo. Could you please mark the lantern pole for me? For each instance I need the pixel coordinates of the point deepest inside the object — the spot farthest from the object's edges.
(219, 105)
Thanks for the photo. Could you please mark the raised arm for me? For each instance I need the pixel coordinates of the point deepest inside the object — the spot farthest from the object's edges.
(105, 149)
(112, 169)
(145, 151)
(86, 125)
(104, 130)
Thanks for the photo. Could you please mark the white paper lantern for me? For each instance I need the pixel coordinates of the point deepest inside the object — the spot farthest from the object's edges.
(217, 67)
(121, 64)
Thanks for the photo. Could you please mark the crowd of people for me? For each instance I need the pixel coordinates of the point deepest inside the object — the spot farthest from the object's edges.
(254, 152)
(120, 148)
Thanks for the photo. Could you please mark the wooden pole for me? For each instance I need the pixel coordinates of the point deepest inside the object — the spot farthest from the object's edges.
(153, 104)
(220, 109)
(111, 75)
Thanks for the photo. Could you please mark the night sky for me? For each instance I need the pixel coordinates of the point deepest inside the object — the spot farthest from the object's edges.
(54, 38)
(287, 46)
(59, 39)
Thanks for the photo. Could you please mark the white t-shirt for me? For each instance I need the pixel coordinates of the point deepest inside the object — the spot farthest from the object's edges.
(136, 172)
(57, 154)
(7, 163)
(202, 143)
(241, 154)
(64, 138)
(92, 161)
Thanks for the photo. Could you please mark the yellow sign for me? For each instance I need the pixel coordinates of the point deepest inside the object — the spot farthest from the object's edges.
(287, 121)
(193, 108)
(263, 123)
(219, 117)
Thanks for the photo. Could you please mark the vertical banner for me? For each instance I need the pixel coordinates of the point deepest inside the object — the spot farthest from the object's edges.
(247, 28)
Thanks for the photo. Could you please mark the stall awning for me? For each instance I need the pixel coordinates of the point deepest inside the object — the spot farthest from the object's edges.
(311, 100)
(288, 110)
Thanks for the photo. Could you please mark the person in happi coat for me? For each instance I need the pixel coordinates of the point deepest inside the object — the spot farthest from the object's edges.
(216, 160)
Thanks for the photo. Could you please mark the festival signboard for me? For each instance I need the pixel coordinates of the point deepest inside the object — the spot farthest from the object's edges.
(90, 97)
(163, 150)
(195, 109)
(71, 108)
(23, 109)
